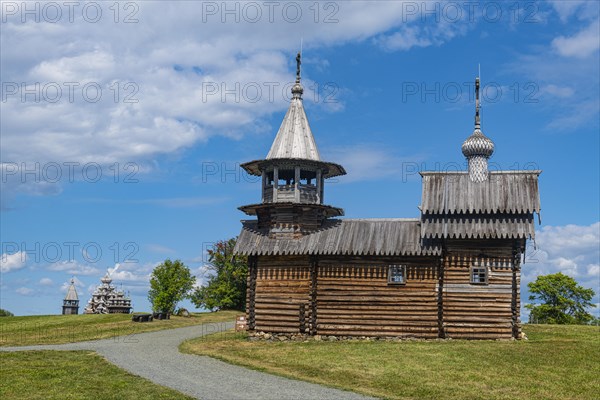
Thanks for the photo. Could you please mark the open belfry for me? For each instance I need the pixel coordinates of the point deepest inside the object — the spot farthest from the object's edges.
(451, 272)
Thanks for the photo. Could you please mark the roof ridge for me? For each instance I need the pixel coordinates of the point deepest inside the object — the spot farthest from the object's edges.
(380, 219)
(503, 172)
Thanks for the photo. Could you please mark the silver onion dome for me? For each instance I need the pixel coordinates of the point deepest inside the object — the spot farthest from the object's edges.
(478, 145)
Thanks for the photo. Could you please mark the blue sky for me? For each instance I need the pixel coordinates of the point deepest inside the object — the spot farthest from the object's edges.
(122, 132)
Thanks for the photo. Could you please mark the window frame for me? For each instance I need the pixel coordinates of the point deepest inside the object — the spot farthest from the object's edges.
(486, 274)
(401, 267)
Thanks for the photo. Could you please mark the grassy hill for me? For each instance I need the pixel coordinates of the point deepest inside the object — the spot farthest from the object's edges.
(557, 362)
(46, 375)
(56, 329)
(79, 374)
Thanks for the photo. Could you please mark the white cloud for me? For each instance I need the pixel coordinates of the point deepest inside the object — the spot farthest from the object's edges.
(132, 277)
(12, 262)
(78, 284)
(405, 39)
(567, 89)
(571, 249)
(558, 91)
(169, 83)
(203, 274)
(581, 45)
(74, 268)
(408, 36)
(583, 9)
(360, 160)
(46, 282)
(593, 270)
(158, 248)
(24, 291)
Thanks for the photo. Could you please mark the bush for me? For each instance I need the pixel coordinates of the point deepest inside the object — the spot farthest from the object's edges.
(6, 313)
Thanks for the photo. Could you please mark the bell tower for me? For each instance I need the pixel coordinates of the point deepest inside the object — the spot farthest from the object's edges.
(71, 300)
(293, 176)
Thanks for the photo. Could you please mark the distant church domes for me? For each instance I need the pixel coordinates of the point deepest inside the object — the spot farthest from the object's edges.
(106, 279)
(106, 299)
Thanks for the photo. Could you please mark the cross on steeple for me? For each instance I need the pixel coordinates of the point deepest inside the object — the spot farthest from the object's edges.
(477, 117)
(298, 63)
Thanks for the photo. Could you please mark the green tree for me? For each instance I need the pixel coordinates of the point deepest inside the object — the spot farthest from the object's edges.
(5, 313)
(558, 299)
(226, 286)
(170, 283)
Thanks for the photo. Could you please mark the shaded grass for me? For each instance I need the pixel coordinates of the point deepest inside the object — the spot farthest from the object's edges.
(72, 375)
(56, 329)
(558, 362)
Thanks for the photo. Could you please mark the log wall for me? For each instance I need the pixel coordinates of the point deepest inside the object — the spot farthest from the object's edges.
(354, 298)
(282, 291)
(481, 311)
(351, 296)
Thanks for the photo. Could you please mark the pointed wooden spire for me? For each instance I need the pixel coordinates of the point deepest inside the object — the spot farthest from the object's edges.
(294, 138)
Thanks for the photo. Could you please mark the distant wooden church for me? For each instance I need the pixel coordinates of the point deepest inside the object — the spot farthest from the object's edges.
(454, 272)
(71, 300)
(106, 299)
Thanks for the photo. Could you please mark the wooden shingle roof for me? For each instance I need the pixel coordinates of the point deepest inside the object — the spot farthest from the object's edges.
(511, 192)
(385, 237)
(72, 292)
(478, 226)
(294, 138)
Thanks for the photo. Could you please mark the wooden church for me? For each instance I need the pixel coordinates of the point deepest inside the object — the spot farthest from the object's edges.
(452, 272)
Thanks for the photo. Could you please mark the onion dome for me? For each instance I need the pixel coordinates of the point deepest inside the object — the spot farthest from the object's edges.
(106, 279)
(478, 145)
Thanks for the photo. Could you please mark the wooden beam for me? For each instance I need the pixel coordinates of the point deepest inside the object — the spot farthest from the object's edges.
(253, 267)
(319, 187)
(440, 299)
(301, 317)
(516, 328)
(296, 184)
(314, 271)
(275, 183)
(264, 185)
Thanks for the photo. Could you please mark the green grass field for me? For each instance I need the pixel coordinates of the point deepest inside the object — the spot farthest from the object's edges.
(56, 329)
(557, 362)
(72, 375)
(79, 374)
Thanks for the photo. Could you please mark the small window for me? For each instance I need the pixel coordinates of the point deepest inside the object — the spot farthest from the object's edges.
(479, 275)
(397, 274)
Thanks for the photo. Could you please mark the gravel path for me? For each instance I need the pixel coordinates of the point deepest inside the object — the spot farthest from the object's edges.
(155, 356)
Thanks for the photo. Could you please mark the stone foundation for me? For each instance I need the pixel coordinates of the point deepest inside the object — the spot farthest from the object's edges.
(299, 337)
